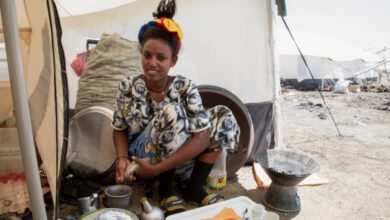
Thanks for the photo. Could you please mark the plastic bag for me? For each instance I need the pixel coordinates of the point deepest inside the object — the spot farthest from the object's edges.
(79, 62)
(342, 86)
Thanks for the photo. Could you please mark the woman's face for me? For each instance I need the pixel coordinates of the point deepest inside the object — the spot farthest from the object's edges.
(156, 59)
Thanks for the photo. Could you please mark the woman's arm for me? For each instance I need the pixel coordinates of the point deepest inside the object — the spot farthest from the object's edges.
(190, 149)
(121, 145)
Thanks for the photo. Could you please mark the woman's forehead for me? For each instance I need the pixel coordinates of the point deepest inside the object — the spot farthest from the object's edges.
(155, 45)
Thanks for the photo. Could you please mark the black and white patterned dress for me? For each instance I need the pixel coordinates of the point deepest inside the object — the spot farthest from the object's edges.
(156, 130)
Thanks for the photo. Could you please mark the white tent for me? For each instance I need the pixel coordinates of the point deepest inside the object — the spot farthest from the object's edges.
(384, 53)
(217, 49)
(328, 58)
(43, 84)
(226, 43)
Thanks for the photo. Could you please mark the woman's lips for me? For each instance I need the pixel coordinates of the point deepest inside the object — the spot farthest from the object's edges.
(152, 72)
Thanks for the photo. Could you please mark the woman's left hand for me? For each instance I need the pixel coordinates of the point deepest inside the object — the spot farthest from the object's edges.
(145, 169)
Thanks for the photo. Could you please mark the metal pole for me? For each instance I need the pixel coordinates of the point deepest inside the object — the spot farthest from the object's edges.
(19, 97)
(274, 63)
(387, 73)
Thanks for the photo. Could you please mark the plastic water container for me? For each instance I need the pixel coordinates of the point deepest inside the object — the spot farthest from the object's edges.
(271, 216)
(217, 177)
(257, 212)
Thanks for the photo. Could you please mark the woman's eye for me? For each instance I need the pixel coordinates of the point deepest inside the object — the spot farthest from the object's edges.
(146, 55)
(161, 58)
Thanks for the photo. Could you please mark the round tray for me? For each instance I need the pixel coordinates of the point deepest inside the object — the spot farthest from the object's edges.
(91, 149)
(95, 215)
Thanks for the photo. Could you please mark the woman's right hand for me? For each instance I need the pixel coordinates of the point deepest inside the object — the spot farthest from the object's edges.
(120, 172)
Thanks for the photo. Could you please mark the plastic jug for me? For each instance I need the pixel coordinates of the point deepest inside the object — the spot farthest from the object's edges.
(217, 177)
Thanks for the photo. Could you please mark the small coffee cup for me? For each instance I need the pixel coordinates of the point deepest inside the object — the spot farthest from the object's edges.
(88, 204)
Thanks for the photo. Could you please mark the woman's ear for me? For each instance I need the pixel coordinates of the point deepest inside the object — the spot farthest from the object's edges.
(174, 60)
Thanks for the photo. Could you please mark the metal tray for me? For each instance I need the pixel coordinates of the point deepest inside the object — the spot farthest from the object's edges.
(91, 150)
(95, 215)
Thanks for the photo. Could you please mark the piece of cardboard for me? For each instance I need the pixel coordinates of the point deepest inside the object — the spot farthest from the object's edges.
(263, 181)
(238, 204)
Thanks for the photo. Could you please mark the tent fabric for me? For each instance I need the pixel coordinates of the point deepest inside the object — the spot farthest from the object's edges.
(76, 7)
(22, 16)
(328, 58)
(262, 118)
(293, 67)
(6, 100)
(44, 82)
(45, 86)
(113, 58)
(5, 89)
(318, 45)
(209, 52)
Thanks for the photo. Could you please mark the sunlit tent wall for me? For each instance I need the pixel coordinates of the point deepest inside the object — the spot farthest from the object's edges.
(328, 58)
(226, 43)
(46, 86)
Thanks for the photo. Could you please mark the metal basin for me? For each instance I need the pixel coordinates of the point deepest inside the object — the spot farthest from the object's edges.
(91, 149)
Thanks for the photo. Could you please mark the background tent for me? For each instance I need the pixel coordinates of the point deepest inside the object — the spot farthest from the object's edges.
(329, 59)
(385, 55)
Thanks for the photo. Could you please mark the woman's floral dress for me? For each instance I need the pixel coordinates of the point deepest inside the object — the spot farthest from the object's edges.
(157, 130)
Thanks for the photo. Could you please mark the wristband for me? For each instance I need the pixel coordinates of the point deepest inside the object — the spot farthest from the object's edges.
(125, 157)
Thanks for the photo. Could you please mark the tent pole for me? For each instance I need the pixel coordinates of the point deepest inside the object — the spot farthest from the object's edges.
(19, 97)
(273, 60)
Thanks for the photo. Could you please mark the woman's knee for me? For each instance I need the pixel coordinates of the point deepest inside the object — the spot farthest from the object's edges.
(209, 157)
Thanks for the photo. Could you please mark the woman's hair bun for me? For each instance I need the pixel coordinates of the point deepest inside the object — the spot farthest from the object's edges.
(166, 8)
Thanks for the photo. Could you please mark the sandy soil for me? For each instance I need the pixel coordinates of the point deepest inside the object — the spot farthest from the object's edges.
(357, 162)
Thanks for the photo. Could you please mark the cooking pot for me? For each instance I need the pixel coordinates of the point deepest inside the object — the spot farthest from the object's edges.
(117, 196)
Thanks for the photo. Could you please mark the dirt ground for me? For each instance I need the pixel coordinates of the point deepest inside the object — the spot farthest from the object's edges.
(356, 163)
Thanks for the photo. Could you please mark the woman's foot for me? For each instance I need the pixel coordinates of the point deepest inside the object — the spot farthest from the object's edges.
(200, 197)
(195, 191)
(172, 205)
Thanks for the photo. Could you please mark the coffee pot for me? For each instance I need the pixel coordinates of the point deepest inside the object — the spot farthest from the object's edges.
(150, 212)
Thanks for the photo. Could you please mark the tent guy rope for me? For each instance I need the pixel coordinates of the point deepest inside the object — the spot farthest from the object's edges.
(311, 74)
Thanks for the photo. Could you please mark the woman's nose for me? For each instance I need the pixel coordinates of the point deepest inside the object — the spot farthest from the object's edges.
(153, 61)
